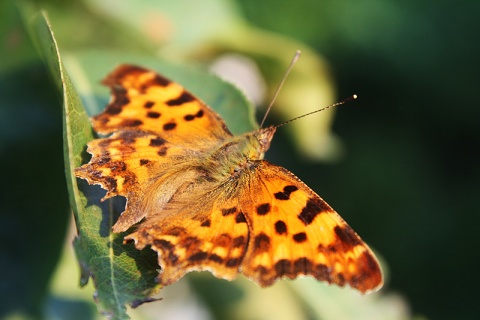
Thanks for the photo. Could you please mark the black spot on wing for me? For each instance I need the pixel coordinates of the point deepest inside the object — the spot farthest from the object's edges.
(167, 246)
(129, 136)
(121, 72)
(239, 241)
(111, 184)
(169, 126)
(340, 279)
(285, 194)
(263, 272)
(163, 244)
(120, 99)
(131, 123)
(176, 231)
(262, 242)
(117, 166)
(206, 223)
(191, 243)
(153, 115)
(116, 107)
(347, 236)
(322, 272)
(300, 237)
(184, 97)
(215, 258)
(302, 265)
(157, 142)
(161, 81)
(229, 211)
(240, 218)
(199, 256)
(233, 262)
(190, 117)
(280, 227)
(148, 104)
(313, 207)
(263, 209)
(104, 159)
(156, 81)
(283, 267)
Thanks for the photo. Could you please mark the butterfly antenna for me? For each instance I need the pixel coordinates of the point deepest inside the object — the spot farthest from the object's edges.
(292, 63)
(351, 98)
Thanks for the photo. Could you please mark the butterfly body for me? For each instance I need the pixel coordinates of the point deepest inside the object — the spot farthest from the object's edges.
(204, 199)
(236, 154)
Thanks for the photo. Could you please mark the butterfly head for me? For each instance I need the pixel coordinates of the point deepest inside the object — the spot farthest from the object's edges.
(264, 137)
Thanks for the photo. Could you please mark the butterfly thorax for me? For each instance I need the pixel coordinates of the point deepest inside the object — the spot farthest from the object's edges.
(236, 154)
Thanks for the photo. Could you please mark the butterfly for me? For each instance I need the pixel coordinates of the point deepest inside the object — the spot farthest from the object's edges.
(204, 199)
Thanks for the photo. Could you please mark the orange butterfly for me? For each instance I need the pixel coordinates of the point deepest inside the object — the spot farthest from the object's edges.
(206, 200)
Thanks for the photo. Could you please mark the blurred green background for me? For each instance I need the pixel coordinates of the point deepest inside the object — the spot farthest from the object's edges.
(406, 170)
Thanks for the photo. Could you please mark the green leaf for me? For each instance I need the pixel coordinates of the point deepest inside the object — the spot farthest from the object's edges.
(122, 275)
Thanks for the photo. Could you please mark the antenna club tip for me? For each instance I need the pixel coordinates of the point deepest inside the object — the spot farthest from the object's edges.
(354, 96)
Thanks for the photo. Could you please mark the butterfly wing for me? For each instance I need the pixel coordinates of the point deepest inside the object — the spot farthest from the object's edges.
(156, 129)
(294, 232)
(208, 234)
(145, 101)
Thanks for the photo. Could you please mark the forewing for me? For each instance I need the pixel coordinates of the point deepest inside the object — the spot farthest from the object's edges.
(146, 101)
